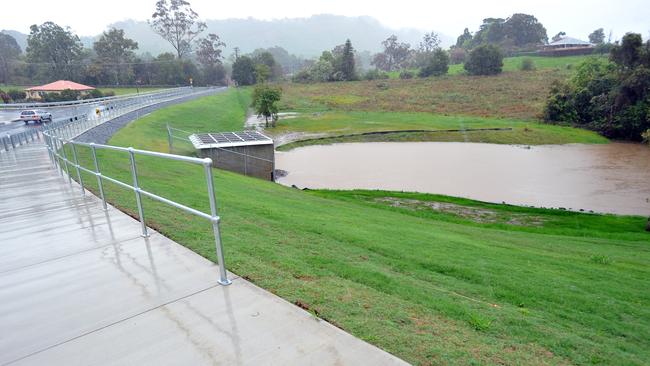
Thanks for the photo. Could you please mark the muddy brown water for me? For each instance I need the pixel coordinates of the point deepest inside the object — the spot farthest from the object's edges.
(611, 178)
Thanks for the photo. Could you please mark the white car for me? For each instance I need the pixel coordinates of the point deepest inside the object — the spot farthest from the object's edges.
(36, 116)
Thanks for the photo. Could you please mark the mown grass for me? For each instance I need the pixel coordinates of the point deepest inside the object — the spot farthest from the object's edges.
(430, 287)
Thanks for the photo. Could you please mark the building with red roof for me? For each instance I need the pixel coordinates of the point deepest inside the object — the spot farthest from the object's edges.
(37, 92)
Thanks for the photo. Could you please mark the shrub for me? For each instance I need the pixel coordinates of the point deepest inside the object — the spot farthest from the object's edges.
(527, 64)
(406, 75)
(375, 74)
(5, 97)
(485, 60)
(109, 93)
(17, 95)
(438, 64)
(301, 76)
(560, 106)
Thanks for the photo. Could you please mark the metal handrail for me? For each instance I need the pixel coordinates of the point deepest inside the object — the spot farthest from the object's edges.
(56, 149)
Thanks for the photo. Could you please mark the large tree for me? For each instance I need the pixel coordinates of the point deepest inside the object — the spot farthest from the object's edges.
(597, 36)
(558, 36)
(209, 54)
(177, 23)
(346, 63)
(56, 46)
(243, 71)
(115, 53)
(430, 42)
(464, 40)
(525, 30)
(393, 56)
(517, 31)
(274, 70)
(209, 50)
(9, 51)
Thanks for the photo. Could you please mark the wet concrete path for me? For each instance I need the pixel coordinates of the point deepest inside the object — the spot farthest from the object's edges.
(80, 286)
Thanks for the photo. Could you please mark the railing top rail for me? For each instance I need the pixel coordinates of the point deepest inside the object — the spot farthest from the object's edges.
(189, 159)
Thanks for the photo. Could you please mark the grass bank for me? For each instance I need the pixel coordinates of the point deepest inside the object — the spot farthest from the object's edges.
(431, 279)
(351, 126)
(129, 90)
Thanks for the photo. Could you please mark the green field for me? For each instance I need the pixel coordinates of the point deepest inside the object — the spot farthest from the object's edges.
(469, 284)
(514, 63)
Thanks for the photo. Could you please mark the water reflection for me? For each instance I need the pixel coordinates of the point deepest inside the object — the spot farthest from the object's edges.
(611, 178)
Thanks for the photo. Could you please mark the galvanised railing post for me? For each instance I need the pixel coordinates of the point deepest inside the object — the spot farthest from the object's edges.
(98, 174)
(65, 161)
(169, 139)
(223, 274)
(76, 164)
(57, 157)
(11, 140)
(4, 143)
(49, 150)
(136, 188)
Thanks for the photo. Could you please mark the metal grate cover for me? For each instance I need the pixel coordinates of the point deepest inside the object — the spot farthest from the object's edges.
(229, 139)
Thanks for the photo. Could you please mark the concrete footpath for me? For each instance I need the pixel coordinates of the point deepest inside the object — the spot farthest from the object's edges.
(80, 286)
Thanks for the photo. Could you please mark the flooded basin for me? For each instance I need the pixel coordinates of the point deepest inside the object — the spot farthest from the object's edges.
(610, 178)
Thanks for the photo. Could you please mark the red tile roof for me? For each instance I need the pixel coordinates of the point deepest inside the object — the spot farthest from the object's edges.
(61, 85)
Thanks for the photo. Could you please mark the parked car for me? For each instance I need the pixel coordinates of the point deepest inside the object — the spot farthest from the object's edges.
(36, 116)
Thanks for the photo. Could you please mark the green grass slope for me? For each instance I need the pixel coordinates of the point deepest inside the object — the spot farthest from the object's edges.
(433, 280)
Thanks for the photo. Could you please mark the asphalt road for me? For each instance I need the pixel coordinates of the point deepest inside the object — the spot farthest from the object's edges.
(9, 123)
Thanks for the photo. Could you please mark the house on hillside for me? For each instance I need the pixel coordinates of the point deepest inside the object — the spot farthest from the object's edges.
(567, 46)
(39, 92)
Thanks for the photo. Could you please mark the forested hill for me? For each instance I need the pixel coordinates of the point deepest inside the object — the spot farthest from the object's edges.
(305, 37)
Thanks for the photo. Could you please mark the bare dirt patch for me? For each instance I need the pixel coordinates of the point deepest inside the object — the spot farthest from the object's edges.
(476, 214)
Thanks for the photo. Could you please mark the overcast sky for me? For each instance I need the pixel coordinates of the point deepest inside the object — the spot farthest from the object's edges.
(576, 18)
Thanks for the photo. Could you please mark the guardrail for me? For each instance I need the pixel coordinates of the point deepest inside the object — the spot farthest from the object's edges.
(56, 145)
(105, 110)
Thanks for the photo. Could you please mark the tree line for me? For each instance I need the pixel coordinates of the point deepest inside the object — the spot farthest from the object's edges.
(611, 96)
(54, 52)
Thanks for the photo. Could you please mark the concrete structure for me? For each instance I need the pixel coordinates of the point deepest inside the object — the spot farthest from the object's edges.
(247, 152)
(38, 92)
(80, 286)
